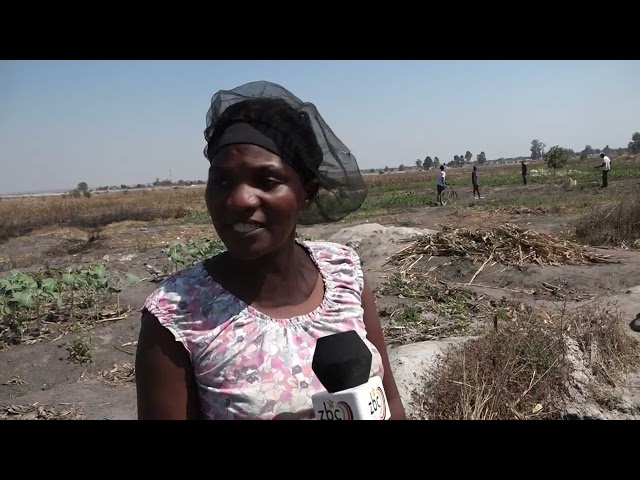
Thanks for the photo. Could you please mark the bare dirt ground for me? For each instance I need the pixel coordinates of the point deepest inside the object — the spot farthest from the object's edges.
(41, 381)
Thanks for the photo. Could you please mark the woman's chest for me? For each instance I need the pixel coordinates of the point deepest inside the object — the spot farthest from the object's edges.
(252, 370)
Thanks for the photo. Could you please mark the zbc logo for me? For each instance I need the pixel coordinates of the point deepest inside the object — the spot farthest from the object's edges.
(335, 411)
(377, 406)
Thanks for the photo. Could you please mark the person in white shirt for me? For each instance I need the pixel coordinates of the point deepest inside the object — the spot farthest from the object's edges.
(441, 184)
(606, 166)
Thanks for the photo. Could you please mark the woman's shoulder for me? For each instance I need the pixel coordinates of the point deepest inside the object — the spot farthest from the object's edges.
(339, 263)
(189, 302)
(174, 294)
(332, 252)
(182, 280)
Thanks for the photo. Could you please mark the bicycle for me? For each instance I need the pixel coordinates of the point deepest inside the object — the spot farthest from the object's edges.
(449, 195)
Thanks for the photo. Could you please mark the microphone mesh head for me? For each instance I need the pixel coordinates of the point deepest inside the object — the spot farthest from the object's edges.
(341, 361)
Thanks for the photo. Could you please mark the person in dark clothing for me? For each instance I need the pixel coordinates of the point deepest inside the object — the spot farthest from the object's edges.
(605, 166)
(524, 172)
(442, 183)
(474, 181)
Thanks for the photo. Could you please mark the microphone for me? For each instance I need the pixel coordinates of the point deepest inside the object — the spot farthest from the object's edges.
(342, 363)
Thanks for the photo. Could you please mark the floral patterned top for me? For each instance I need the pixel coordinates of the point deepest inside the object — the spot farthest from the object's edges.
(249, 365)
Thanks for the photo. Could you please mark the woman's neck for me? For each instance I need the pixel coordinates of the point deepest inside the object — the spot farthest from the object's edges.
(288, 276)
(279, 265)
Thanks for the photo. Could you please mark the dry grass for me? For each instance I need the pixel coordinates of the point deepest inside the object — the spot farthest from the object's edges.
(522, 370)
(522, 367)
(602, 339)
(613, 224)
(507, 244)
(21, 216)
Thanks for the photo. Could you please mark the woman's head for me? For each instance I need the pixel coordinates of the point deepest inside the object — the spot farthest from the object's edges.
(274, 160)
(264, 159)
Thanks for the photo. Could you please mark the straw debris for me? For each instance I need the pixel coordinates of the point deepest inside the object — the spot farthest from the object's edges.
(506, 244)
(119, 374)
(40, 412)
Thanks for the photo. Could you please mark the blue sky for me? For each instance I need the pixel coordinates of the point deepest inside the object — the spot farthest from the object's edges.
(113, 122)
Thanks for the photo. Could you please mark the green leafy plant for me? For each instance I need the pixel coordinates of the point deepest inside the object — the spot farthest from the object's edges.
(187, 254)
(33, 306)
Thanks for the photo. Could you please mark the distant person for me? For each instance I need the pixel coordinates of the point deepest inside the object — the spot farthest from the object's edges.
(442, 183)
(606, 166)
(474, 181)
(525, 172)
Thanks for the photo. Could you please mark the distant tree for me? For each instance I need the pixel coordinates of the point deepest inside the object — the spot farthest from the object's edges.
(634, 144)
(584, 154)
(482, 158)
(419, 163)
(401, 168)
(468, 156)
(537, 149)
(607, 151)
(556, 157)
(386, 168)
(83, 187)
(436, 162)
(428, 163)
(458, 160)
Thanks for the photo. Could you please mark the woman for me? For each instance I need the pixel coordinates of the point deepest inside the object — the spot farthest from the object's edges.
(233, 337)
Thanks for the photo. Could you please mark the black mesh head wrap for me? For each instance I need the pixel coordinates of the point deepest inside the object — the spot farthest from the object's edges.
(267, 115)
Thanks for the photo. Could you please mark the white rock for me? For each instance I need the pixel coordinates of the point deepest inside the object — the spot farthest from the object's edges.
(375, 243)
(411, 363)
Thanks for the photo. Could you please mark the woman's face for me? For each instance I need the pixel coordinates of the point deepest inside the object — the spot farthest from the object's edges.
(254, 199)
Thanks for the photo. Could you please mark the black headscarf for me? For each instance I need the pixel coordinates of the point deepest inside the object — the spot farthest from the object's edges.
(269, 116)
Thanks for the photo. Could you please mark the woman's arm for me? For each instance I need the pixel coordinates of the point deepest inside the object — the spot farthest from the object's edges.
(375, 336)
(165, 380)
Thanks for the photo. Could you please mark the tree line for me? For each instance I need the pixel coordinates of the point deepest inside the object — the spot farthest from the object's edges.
(555, 157)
